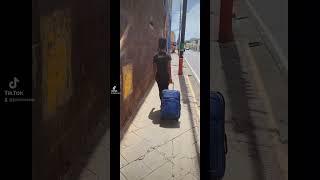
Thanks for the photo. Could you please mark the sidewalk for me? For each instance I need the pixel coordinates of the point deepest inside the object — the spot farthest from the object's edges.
(160, 150)
(270, 75)
(98, 167)
(255, 93)
(249, 35)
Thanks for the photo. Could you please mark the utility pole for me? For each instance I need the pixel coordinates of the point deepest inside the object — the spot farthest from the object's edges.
(183, 28)
(225, 30)
(179, 36)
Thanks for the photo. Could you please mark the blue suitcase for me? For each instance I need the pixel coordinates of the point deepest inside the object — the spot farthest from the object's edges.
(218, 138)
(170, 105)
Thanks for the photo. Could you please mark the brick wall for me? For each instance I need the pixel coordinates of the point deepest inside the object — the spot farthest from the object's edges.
(142, 23)
(71, 108)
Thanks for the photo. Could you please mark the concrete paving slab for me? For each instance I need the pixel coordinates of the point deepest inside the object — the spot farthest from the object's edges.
(166, 150)
(88, 175)
(185, 144)
(154, 160)
(162, 172)
(123, 162)
(98, 166)
(130, 139)
(134, 152)
(188, 177)
(183, 166)
(136, 170)
(153, 135)
(132, 128)
(99, 163)
(122, 177)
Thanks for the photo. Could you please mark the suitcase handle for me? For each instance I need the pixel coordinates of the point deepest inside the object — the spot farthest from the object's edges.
(225, 144)
(172, 85)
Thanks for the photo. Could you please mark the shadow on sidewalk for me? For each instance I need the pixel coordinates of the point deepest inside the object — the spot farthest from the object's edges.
(155, 117)
(240, 91)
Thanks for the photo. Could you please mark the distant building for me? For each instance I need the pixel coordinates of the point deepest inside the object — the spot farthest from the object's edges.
(193, 44)
(173, 42)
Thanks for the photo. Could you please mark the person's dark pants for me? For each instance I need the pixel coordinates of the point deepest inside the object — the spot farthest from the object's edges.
(162, 86)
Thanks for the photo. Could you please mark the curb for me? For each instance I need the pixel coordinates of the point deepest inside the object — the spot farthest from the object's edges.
(278, 148)
(196, 121)
(194, 74)
(195, 105)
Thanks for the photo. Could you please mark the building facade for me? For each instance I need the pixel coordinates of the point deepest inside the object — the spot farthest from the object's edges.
(142, 23)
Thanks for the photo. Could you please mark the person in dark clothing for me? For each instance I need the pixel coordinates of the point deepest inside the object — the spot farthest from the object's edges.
(162, 67)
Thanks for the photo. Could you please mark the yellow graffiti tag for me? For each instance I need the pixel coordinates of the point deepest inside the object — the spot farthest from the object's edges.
(127, 80)
(56, 47)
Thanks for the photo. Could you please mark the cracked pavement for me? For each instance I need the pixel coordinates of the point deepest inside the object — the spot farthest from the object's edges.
(155, 149)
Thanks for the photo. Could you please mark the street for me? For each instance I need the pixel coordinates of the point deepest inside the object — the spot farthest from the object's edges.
(193, 60)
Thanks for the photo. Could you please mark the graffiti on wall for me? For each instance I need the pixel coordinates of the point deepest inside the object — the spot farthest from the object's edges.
(56, 52)
(127, 71)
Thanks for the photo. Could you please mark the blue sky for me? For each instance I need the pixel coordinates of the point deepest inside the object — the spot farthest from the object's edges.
(192, 20)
